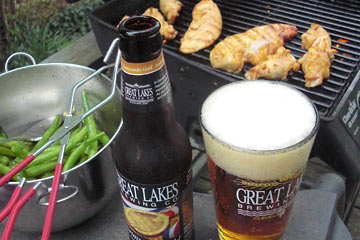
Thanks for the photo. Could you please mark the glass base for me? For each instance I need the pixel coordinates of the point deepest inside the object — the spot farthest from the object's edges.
(228, 235)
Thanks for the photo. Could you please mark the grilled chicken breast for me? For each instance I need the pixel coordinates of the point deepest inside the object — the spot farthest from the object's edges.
(316, 66)
(251, 46)
(204, 29)
(170, 9)
(276, 66)
(166, 30)
(315, 34)
(317, 60)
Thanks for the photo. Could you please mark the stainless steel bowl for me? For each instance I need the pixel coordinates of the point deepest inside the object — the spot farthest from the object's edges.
(33, 93)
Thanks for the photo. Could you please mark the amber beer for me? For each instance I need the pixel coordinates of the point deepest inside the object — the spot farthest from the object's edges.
(258, 136)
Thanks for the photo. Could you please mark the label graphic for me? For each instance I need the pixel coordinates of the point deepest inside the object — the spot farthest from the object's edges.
(262, 199)
(156, 211)
(145, 86)
(261, 205)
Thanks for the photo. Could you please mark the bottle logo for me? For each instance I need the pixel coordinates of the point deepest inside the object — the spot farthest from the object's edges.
(138, 94)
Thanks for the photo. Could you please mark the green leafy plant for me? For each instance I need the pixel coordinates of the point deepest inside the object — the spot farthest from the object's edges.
(43, 27)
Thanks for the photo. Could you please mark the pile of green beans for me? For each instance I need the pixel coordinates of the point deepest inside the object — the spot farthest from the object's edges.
(85, 141)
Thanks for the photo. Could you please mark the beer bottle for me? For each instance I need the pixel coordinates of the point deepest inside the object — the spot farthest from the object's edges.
(152, 153)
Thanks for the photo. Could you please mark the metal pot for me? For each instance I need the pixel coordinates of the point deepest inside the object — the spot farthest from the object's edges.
(33, 93)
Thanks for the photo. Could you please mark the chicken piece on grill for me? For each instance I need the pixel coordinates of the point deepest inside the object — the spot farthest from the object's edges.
(166, 30)
(252, 46)
(314, 33)
(204, 29)
(275, 66)
(317, 60)
(170, 9)
(316, 66)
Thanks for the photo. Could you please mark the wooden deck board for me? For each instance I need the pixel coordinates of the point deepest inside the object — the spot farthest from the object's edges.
(83, 51)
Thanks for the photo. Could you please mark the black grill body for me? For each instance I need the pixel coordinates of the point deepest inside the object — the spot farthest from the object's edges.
(193, 78)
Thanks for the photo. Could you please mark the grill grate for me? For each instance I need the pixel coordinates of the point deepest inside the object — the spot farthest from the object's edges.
(340, 19)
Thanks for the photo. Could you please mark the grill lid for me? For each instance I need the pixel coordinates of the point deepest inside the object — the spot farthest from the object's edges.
(341, 20)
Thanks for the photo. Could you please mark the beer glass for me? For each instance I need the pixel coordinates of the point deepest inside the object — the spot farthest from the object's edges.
(258, 136)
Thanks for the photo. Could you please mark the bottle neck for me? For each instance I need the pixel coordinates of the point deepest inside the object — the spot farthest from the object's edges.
(146, 92)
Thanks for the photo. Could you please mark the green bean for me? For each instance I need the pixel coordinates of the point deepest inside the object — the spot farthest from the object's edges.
(12, 164)
(4, 160)
(49, 132)
(104, 139)
(75, 131)
(18, 151)
(5, 169)
(7, 152)
(53, 151)
(76, 139)
(44, 157)
(48, 174)
(76, 154)
(27, 149)
(9, 144)
(40, 169)
(56, 143)
(90, 122)
(17, 160)
(83, 158)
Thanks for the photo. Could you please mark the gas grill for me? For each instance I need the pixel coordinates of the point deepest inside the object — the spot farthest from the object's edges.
(193, 78)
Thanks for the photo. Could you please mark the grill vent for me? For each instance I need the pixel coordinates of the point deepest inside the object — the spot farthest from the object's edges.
(341, 19)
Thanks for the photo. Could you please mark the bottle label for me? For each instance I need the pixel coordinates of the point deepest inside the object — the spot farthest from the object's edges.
(145, 86)
(161, 211)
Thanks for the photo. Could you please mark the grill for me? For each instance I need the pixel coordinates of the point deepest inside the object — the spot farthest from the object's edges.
(193, 78)
(342, 25)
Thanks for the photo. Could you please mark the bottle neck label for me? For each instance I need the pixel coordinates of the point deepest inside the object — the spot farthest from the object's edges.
(145, 86)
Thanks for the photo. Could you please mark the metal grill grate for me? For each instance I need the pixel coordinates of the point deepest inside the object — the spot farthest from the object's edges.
(340, 19)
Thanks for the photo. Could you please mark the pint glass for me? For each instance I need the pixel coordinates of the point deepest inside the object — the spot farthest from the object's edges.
(258, 136)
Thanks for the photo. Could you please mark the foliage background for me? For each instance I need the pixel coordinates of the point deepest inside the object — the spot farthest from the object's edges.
(43, 27)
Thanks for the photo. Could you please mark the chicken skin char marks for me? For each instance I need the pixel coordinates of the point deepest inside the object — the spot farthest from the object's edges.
(170, 9)
(252, 46)
(275, 66)
(317, 60)
(204, 29)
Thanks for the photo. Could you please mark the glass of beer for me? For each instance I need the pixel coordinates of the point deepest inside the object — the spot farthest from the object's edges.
(258, 137)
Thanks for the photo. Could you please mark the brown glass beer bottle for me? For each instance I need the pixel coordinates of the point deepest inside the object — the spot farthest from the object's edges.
(152, 153)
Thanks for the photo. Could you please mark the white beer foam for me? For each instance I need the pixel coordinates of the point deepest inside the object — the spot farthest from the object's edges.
(257, 116)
